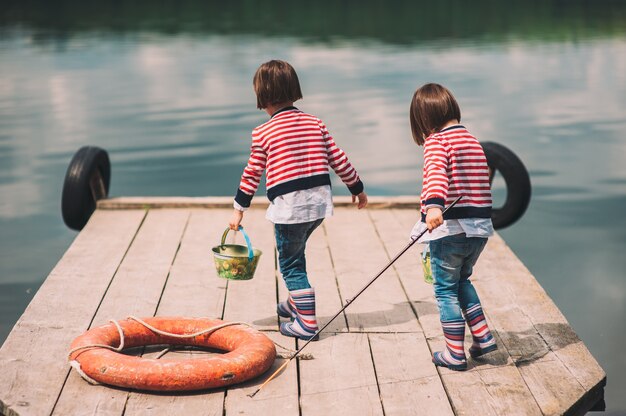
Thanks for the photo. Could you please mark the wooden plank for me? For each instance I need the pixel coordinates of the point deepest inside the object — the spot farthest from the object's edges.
(254, 301)
(358, 255)
(193, 289)
(322, 277)
(409, 383)
(552, 385)
(34, 356)
(224, 202)
(135, 290)
(341, 379)
(394, 228)
(546, 317)
(280, 393)
(538, 335)
(497, 391)
(509, 293)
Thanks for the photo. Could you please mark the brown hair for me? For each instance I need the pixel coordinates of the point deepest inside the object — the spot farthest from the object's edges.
(431, 108)
(276, 82)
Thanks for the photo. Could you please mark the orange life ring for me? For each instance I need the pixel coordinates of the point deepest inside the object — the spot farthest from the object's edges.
(249, 354)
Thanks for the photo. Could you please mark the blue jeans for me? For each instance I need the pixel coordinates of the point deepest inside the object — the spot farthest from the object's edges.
(452, 260)
(290, 242)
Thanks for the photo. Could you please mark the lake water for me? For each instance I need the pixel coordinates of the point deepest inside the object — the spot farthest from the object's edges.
(166, 89)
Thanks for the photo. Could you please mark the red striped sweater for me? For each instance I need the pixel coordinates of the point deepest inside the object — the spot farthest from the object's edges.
(295, 150)
(455, 164)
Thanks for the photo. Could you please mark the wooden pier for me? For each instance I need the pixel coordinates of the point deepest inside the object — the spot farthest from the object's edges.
(152, 256)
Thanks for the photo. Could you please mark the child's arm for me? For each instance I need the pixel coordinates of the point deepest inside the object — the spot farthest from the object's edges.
(339, 162)
(251, 174)
(249, 182)
(435, 182)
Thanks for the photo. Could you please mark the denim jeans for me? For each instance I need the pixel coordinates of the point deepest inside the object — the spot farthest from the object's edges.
(290, 242)
(452, 260)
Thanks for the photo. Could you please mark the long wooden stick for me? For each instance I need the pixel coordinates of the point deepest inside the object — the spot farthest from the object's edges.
(349, 302)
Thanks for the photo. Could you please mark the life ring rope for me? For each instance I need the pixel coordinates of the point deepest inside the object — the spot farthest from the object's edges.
(152, 328)
(76, 365)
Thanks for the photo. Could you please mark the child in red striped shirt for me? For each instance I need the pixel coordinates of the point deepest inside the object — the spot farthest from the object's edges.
(454, 165)
(296, 151)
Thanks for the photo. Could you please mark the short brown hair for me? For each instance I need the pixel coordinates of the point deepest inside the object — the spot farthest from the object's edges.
(431, 108)
(276, 82)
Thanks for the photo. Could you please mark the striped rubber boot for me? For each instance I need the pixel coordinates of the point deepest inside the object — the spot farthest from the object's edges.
(287, 309)
(482, 339)
(304, 326)
(453, 356)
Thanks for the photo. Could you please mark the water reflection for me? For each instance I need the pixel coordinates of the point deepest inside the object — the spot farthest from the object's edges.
(166, 89)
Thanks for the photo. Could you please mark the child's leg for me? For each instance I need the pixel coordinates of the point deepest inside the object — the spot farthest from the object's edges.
(447, 256)
(482, 339)
(291, 243)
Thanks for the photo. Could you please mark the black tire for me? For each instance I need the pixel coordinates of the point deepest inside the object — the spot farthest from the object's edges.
(518, 190)
(86, 181)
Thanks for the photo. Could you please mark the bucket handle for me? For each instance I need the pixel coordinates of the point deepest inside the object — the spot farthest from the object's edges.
(245, 235)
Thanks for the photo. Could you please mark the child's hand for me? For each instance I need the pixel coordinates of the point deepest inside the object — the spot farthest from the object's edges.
(434, 218)
(235, 220)
(362, 199)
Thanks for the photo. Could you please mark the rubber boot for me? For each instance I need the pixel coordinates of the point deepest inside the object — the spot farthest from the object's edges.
(304, 326)
(287, 309)
(453, 356)
(482, 339)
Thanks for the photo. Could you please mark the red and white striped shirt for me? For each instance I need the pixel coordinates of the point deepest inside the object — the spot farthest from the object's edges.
(295, 150)
(454, 165)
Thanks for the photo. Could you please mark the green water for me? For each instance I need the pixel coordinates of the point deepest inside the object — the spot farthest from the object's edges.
(165, 87)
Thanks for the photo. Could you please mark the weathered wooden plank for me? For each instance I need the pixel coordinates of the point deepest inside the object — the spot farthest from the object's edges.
(358, 255)
(394, 228)
(409, 383)
(193, 289)
(224, 202)
(135, 290)
(254, 301)
(508, 296)
(497, 391)
(341, 379)
(34, 356)
(552, 385)
(323, 279)
(536, 333)
(278, 396)
(546, 317)
(201, 403)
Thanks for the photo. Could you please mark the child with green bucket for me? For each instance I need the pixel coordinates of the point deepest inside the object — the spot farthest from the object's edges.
(454, 165)
(296, 151)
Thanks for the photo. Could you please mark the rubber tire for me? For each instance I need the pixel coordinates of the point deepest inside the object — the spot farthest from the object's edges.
(518, 189)
(78, 201)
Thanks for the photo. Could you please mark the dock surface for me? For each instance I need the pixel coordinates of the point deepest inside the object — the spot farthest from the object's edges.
(151, 256)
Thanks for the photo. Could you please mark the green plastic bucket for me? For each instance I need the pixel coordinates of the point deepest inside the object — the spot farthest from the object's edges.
(234, 261)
